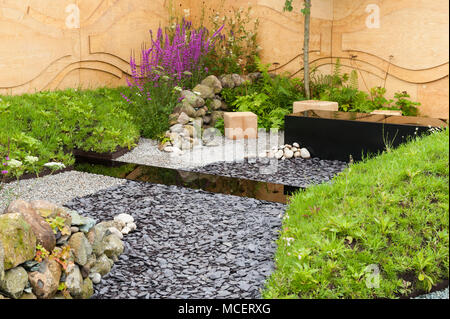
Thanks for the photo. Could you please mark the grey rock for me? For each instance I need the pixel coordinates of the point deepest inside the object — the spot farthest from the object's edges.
(74, 280)
(205, 92)
(14, 282)
(213, 82)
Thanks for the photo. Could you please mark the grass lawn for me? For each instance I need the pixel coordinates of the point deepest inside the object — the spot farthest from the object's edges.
(391, 212)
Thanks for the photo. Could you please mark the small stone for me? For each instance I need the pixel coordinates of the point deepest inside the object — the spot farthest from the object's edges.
(81, 248)
(304, 153)
(125, 218)
(95, 277)
(132, 226)
(205, 92)
(177, 128)
(126, 230)
(288, 153)
(296, 145)
(183, 118)
(74, 280)
(115, 231)
(279, 154)
(74, 229)
(113, 246)
(102, 265)
(297, 154)
(213, 82)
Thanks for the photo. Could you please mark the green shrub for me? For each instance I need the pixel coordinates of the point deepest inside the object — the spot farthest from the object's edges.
(391, 211)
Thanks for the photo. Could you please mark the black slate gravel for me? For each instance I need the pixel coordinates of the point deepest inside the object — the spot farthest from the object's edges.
(188, 243)
(297, 172)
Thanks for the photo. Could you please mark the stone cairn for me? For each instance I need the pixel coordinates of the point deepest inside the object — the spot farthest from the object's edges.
(47, 251)
(199, 109)
(287, 151)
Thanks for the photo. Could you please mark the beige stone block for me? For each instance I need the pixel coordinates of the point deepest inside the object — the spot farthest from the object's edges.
(240, 125)
(301, 106)
(386, 112)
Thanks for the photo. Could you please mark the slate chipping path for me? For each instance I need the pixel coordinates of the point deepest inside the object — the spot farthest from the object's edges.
(189, 243)
(293, 172)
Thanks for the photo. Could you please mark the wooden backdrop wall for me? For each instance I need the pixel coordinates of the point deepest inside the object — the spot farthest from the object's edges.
(41, 48)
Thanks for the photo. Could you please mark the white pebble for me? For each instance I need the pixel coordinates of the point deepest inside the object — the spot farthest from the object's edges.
(126, 218)
(279, 154)
(288, 153)
(296, 145)
(116, 232)
(131, 226)
(95, 277)
(126, 230)
(304, 153)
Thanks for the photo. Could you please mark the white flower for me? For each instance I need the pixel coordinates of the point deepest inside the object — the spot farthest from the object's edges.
(31, 159)
(187, 12)
(55, 165)
(14, 163)
(288, 240)
(177, 88)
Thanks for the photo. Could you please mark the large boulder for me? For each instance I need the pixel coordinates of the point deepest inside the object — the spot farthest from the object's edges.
(41, 229)
(213, 82)
(205, 92)
(18, 239)
(14, 282)
(81, 248)
(45, 281)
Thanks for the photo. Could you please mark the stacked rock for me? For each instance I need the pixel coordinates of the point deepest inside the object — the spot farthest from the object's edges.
(47, 251)
(199, 109)
(287, 151)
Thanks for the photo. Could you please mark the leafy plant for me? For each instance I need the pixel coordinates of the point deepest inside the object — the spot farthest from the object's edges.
(236, 49)
(407, 106)
(57, 223)
(41, 253)
(271, 98)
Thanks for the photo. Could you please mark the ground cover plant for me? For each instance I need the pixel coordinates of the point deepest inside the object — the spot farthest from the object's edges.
(343, 88)
(390, 213)
(42, 128)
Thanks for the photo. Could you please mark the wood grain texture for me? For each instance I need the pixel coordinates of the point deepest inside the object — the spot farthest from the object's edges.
(409, 51)
(40, 51)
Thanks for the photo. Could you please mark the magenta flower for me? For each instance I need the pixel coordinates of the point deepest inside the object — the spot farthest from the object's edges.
(4, 172)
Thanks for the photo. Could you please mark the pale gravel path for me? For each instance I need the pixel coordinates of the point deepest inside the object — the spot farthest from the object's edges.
(147, 153)
(58, 188)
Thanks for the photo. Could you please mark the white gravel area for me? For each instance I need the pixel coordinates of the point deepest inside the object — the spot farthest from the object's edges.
(58, 188)
(147, 153)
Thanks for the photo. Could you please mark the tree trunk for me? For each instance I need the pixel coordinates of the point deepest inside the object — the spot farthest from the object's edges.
(307, 13)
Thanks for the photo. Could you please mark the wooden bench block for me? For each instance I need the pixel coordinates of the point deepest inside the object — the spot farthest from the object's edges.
(240, 125)
(301, 106)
